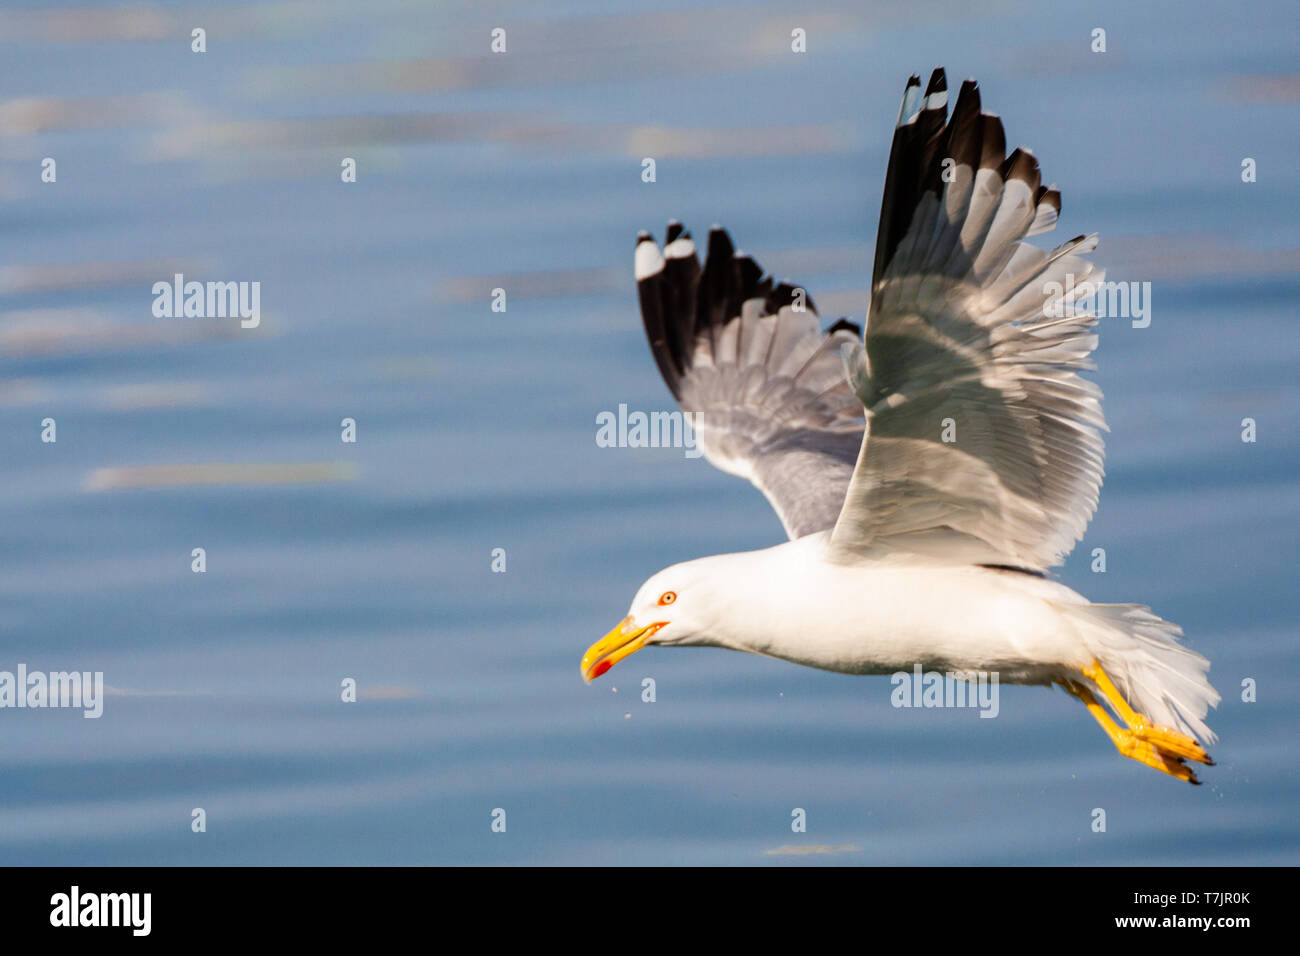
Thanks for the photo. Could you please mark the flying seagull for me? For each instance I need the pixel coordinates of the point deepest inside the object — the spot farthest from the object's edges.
(929, 473)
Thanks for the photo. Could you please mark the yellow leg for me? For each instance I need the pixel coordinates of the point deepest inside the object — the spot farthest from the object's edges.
(1164, 738)
(1128, 742)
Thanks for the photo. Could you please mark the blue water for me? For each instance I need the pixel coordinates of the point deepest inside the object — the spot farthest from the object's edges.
(476, 429)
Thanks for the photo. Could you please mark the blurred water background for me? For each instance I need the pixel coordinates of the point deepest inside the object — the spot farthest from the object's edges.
(476, 430)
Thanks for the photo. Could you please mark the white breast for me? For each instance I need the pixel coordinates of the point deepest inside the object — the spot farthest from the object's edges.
(793, 602)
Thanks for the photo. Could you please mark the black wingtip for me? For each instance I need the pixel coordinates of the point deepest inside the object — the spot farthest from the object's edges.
(1050, 196)
(993, 142)
(968, 100)
(720, 247)
(1022, 165)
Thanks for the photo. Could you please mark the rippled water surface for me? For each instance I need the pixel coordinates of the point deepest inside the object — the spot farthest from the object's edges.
(476, 429)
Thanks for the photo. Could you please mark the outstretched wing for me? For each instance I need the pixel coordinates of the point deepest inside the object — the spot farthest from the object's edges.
(983, 442)
(766, 385)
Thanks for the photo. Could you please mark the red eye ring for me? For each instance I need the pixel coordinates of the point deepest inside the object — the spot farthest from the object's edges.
(668, 597)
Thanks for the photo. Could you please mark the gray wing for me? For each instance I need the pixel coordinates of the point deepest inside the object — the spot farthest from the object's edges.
(765, 384)
(983, 442)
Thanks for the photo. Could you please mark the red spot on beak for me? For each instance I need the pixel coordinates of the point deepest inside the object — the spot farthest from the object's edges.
(600, 668)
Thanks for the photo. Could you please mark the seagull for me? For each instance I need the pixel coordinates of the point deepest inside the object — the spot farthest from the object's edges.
(929, 472)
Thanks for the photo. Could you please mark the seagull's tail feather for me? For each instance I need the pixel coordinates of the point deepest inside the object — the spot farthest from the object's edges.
(1144, 658)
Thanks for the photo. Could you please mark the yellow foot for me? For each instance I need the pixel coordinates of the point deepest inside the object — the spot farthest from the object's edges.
(1132, 746)
(1157, 747)
(1166, 739)
(1172, 742)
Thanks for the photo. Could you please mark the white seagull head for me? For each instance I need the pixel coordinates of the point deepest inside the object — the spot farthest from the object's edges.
(677, 606)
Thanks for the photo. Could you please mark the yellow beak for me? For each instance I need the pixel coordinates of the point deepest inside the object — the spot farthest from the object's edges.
(623, 641)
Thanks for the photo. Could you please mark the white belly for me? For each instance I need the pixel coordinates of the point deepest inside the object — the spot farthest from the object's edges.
(879, 620)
